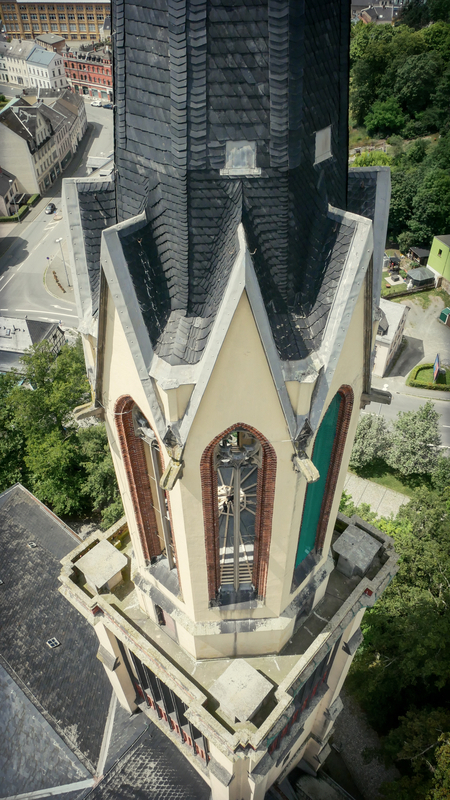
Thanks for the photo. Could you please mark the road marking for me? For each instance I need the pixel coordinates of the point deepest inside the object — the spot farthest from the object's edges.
(61, 308)
(446, 426)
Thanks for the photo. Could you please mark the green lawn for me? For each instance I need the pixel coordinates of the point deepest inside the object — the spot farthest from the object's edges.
(358, 137)
(424, 375)
(380, 473)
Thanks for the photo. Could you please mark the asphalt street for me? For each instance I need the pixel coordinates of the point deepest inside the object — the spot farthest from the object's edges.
(34, 245)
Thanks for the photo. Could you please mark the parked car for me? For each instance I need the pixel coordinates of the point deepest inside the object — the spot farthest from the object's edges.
(108, 105)
(50, 209)
(97, 103)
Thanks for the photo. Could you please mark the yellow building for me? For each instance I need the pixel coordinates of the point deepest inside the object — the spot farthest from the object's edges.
(75, 21)
(228, 304)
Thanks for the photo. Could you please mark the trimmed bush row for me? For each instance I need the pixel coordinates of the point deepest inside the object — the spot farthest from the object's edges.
(22, 211)
(412, 380)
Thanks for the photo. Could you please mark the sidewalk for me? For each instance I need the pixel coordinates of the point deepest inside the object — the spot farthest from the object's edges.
(396, 385)
(383, 501)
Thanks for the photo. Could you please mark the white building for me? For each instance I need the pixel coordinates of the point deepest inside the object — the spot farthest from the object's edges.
(46, 69)
(26, 64)
(13, 56)
(389, 336)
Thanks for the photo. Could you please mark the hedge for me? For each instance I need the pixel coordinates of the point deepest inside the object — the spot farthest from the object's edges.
(22, 211)
(33, 199)
(412, 379)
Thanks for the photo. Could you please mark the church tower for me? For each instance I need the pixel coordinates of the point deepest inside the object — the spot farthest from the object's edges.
(227, 283)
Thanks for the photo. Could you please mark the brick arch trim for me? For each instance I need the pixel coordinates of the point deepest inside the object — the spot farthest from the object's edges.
(133, 456)
(264, 512)
(342, 426)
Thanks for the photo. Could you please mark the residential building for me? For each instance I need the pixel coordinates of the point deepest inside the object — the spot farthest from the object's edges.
(46, 69)
(25, 64)
(9, 191)
(14, 56)
(419, 255)
(389, 336)
(51, 41)
(90, 73)
(76, 20)
(228, 295)
(18, 335)
(37, 139)
(439, 260)
(385, 12)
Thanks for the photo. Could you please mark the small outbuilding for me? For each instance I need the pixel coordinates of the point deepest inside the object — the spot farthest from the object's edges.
(444, 316)
(389, 336)
(419, 255)
(421, 277)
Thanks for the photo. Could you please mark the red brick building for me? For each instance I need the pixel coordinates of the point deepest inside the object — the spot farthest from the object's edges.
(90, 73)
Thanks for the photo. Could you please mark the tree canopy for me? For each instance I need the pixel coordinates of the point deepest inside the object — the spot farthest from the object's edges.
(41, 446)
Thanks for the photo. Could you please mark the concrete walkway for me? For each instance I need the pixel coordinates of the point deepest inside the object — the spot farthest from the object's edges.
(383, 501)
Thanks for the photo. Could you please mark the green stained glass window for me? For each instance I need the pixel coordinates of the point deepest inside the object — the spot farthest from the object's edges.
(323, 448)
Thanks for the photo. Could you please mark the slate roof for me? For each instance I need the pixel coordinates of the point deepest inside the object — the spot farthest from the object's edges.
(152, 768)
(97, 204)
(445, 239)
(361, 192)
(271, 74)
(41, 57)
(68, 684)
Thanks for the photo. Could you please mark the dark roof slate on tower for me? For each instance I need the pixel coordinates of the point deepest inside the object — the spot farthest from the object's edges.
(97, 205)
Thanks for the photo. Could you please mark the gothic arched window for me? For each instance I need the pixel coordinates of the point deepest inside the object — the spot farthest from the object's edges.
(238, 476)
(327, 456)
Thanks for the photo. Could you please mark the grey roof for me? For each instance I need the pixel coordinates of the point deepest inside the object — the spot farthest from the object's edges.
(49, 38)
(5, 178)
(68, 683)
(393, 314)
(17, 48)
(178, 102)
(97, 204)
(445, 239)
(361, 192)
(421, 274)
(152, 768)
(41, 57)
(420, 252)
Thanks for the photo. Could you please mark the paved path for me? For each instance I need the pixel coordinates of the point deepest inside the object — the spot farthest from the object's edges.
(383, 501)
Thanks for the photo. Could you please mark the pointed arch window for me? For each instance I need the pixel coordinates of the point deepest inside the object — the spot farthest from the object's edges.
(327, 456)
(238, 481)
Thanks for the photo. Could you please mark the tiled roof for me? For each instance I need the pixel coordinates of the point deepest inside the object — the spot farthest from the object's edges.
(185, 89)
(98, 211)
(33, 611)
(5, 178)
(152, 768)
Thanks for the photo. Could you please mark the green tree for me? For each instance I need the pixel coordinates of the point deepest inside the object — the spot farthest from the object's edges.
(430, 206)
(415, 439)
(372, 441)
(100, 484)
(440, 477)
(12, 440)
(56, 476)
(417, 79)
(385, 117)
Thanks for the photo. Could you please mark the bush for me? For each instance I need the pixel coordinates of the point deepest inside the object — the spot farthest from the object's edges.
(372, 441)
(33, 199)
(421, 377)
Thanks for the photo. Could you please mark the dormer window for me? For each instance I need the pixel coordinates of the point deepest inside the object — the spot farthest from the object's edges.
(240, 159)
(323, 145)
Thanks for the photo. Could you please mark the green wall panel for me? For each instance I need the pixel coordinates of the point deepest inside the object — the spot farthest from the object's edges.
(321, 458)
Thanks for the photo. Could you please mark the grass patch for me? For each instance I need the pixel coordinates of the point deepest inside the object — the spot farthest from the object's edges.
(358, 137)
(424, 298)
(379, 472)
(422, 377)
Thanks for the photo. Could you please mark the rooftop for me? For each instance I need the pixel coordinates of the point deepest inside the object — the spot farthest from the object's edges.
(5, 178)
(342, 596)
(49, 38)
(393, 313)
(33, 541)
(41, 56)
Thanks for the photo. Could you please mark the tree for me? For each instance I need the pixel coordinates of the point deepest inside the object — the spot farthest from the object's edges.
(100, 484)
(385, 117)
(56, 475)
(12, 440)
(415, 440)
(440, 477)
(417, 79)
(372, 441)
(430, 206)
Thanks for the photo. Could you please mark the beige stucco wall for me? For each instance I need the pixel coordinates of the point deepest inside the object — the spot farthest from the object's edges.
(240, 390)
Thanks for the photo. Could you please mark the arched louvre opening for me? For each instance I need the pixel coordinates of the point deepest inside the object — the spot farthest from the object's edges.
(238, 470)
(237, 460)
(327, 456)
(160, 498)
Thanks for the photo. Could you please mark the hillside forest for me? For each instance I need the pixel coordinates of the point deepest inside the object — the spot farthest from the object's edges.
(400, 91)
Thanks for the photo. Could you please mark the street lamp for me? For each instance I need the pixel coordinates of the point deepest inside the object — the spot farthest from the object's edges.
(11, 180)
(58, 241)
